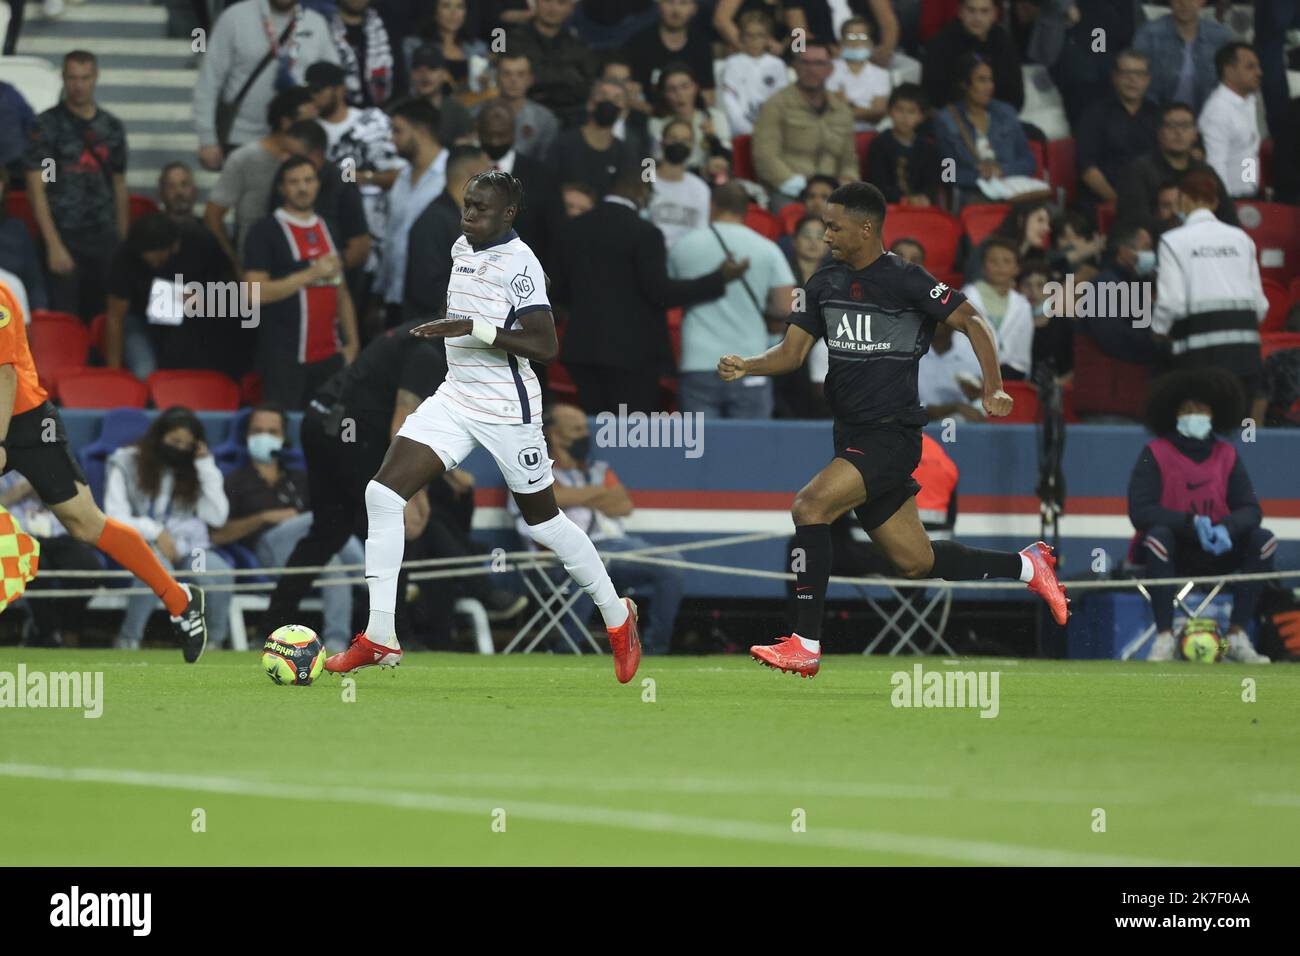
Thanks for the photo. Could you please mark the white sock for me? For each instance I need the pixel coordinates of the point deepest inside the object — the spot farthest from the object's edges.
(812, 647)
(583, 564)
(188, 593)
(385, 544)
(1026, 569)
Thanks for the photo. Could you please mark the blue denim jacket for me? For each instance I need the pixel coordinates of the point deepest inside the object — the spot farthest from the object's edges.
(1160, 41)
(1005, 136)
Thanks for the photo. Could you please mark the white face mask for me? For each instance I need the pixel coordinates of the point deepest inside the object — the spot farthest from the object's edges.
(264, 446)
(1146, 262)
(1196, 425)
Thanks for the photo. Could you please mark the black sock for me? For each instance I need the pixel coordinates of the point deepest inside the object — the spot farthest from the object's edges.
(956, 562)
(811, 563)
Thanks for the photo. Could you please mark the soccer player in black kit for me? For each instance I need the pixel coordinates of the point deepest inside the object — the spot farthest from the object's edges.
(877, 313)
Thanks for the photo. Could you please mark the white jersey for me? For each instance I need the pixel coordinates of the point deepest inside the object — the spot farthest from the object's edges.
(501, 282)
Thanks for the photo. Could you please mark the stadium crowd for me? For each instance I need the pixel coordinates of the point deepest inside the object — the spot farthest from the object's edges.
(675, 156)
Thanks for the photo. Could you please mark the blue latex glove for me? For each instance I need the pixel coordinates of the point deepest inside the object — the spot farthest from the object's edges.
(1204, 532)
(1220, 540)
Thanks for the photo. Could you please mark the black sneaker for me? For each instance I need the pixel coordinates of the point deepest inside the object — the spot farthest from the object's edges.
(191, 628)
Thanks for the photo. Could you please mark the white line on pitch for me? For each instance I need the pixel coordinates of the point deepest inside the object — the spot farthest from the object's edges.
(940, 848)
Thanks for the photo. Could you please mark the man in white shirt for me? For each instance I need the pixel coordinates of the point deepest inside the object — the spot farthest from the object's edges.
(1229, 121)
(1209, 297)
(680, 201)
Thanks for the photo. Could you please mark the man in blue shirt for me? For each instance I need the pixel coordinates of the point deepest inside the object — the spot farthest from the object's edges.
(1181, 48)
(739, 321)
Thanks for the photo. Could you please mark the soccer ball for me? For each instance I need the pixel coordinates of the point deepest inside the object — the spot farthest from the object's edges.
(293, 654)
(1202, 641)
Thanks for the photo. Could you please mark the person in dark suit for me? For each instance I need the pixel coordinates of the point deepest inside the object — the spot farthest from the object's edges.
(537, 221)
(611, 274)
(428, 267)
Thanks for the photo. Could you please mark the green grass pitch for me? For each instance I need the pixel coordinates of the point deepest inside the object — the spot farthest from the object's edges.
(459, 759)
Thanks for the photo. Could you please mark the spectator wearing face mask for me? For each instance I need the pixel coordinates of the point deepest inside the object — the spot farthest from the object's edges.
(270, 512)
(680, 201)
(167, 487)
(538, 220)
(680, 98)
(591, 153)
(1192, 504)
(1133, 259)
(865, 85)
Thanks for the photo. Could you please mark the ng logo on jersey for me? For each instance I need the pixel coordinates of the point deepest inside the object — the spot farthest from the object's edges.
(522, 285)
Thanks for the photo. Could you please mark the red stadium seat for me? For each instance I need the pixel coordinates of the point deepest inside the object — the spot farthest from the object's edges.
(1067, 402)
(1106, 217)
(675, 334)
(1061, 169)
(742, 157)
(1107, 386)
(978, 220)
(1277, 341)
(102, 388)
(250, 389)
(1026, 407)
(935, 14)
(1276, 230)
(197, 389)
(764, 223)
(97, 326)
(790, 216)
(1266, 163)
(16, 205)
(1040, 158)
(59, 345)
(862, 142)
(1279, 303)
(937, 232)
(1293, 290)
(139, 205)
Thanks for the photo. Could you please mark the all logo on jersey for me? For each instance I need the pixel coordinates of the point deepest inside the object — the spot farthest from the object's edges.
(853, 334)
(522, 285)
(531, 458)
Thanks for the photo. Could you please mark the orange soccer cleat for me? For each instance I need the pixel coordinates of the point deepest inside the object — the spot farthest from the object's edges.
(789, 655)
(1044, 582)
(363, 652)
(625, 642)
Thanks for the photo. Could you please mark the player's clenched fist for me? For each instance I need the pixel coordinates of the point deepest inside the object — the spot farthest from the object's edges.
(731, 367)
(997, 404)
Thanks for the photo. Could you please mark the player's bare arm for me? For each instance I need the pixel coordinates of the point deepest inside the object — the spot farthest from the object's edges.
(970, 323)
(534, 340)
(780, 359)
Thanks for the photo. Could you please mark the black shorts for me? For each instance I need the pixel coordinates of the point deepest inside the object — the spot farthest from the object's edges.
(37, 448)
(885, 455)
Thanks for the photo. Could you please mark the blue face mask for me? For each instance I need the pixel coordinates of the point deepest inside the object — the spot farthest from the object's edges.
(1196, 426)
(855, 54)
(264, 447)
(1146, 262)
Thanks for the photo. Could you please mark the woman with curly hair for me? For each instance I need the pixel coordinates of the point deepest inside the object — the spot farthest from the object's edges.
(168, 487)
(1191, 501)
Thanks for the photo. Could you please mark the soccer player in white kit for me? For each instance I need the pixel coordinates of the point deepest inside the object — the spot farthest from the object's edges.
(498, 321)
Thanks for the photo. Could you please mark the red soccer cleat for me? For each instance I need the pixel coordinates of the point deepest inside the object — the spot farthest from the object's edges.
(363, 652)
(625, 642)
(788, 655)
(1044, 582)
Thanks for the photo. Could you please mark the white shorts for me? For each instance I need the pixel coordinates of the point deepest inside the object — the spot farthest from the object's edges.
(518, 447)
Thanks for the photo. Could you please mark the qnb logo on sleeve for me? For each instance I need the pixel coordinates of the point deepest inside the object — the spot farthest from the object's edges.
(941, 292)
(75, 909)
(853, 334)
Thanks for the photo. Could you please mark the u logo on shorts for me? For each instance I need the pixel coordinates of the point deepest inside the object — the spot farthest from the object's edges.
(531, 458)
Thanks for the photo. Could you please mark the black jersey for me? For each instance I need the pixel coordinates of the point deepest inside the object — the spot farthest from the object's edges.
(877, 323)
